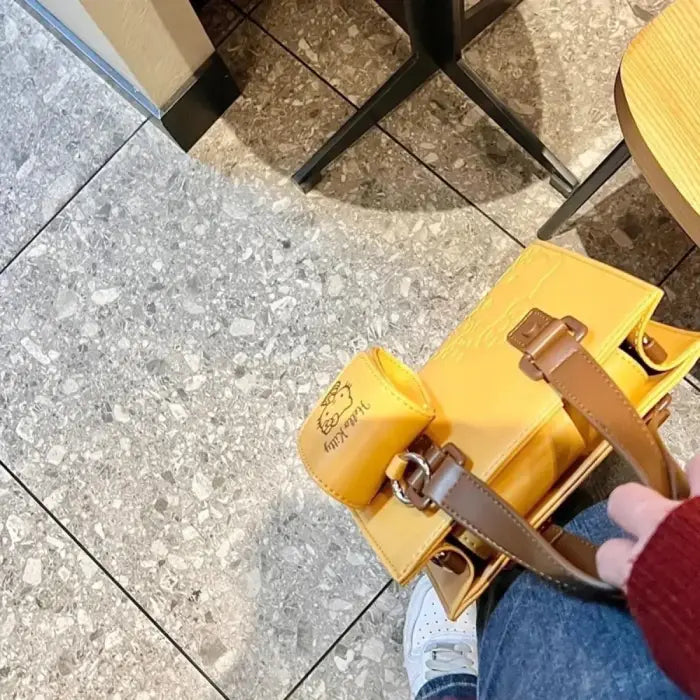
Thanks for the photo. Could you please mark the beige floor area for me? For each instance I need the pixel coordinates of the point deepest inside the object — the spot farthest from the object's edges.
(168, 319)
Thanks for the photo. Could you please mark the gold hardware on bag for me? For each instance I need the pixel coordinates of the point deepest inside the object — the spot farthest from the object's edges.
(424, 474)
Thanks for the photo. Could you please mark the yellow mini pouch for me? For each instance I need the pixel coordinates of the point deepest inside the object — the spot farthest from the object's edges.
(457, 468)
(345, 442)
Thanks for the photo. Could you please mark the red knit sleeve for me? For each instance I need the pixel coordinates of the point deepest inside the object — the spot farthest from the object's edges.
(664, 595)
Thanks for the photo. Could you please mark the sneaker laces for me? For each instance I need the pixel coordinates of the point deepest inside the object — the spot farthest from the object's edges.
(446, 658)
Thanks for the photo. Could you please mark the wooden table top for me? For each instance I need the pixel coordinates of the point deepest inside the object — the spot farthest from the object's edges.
(658, 100)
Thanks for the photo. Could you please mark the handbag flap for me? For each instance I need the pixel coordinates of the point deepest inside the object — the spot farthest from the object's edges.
(484, 403)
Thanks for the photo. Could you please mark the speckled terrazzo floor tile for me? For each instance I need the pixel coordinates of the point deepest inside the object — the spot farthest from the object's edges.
(158, 372)
(626, 225)
(285, 113)
(163, 341)
(682, 430)
(681, 305)
(351, 43)
(694, 378)
(246, 5)
(60, 123)
(646, 10)
(65, 630)
(368, 662)
(219, 18)
(554, 63)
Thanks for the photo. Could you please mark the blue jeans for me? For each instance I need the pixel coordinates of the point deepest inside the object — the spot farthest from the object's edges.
(539, 643)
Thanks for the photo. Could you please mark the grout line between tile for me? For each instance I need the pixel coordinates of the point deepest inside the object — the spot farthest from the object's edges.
(242, 15)
(387, 133)
(71, 198)
(332, 646)
(254, 6)
(112, 579)
(692, 383)
(242, 10)
(685, 256)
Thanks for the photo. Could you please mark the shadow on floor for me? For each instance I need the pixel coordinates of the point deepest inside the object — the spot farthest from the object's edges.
(631, 218)
(290, 596)
(287, 112)
(295, 112)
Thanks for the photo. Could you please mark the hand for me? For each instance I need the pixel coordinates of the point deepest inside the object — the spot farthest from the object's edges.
(638, 510)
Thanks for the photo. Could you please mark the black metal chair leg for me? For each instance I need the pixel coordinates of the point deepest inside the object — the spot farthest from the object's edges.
(438, 29)
(408, 78)
(562, 179)
(610, 165)
(482, 15)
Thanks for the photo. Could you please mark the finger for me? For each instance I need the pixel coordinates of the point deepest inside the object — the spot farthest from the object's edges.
(637, 509)
(693, 471)
(614, 560)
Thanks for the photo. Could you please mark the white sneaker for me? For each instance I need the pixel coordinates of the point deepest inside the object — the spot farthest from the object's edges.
(432, 645)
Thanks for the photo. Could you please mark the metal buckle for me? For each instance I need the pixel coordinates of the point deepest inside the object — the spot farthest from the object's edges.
(422, 464)
(546, 336)
(577, 328)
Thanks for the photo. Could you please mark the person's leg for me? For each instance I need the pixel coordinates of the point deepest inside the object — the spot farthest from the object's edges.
(541, 643)
(440, 656)
(458, 686)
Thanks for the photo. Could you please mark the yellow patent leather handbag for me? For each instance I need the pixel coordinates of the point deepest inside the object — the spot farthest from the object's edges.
(457, 468)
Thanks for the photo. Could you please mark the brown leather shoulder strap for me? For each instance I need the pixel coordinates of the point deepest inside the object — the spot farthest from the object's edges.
(560, 557)
(552, 351)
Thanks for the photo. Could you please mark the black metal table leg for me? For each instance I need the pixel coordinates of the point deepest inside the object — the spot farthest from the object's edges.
(482, 15)
(438, 29)
(477, 91)
(409, 77)
(607, 168)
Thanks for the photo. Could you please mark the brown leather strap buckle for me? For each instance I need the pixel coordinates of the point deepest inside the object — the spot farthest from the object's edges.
(414, 483)
(426, 458)
(537, 333)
